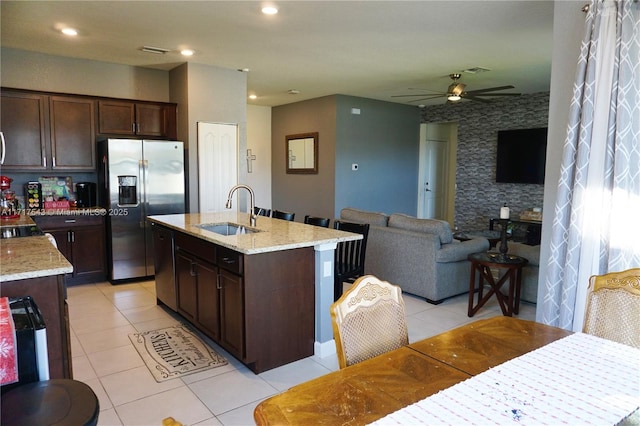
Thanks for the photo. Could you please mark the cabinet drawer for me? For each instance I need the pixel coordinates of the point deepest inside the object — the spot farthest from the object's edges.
(70, 221)
(230, 260)
(203, 249)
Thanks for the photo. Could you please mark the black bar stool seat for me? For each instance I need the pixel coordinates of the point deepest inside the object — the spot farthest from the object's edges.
(50, 402)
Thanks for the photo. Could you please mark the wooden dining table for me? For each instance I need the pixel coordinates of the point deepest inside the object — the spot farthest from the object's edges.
(367, 391)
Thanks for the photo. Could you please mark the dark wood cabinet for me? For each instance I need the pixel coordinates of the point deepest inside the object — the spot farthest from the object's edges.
(50, 295)
(259, 307)
(232, 312)
(73, 137)
(24, 124)
(48, 132)
(81, 239)
(187, 285)
(136, 119)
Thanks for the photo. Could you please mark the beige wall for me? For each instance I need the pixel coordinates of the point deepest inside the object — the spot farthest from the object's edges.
(303, 194)
(259, 142)
(214, 95)
(22, 69)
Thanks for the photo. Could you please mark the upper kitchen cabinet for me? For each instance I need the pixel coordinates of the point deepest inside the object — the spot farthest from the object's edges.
(72, 133)
(24, 125)
(137, 119)
(43, 132)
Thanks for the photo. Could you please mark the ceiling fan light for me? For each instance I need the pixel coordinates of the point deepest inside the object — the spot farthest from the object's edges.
(453, 97)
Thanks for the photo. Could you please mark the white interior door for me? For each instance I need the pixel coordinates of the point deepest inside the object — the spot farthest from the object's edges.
(433, 186)
(217, 164)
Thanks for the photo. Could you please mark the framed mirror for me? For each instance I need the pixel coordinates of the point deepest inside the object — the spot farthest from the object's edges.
(302, 153)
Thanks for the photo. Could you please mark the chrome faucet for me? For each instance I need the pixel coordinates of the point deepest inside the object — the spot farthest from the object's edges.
(252, 214)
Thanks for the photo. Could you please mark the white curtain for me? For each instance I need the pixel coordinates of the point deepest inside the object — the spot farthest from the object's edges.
(596, 226)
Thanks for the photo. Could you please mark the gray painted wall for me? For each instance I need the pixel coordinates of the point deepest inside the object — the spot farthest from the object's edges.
(382, 140)
(478, 197)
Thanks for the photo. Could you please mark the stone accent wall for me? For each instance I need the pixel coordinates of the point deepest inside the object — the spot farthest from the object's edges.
(478, 197)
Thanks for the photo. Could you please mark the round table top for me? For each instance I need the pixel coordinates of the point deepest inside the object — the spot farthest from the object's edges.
(494, 258)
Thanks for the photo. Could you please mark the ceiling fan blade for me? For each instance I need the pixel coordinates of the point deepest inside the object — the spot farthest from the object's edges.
(490, 89)
(474, 98)
(496, 94)
(426, 99)
(404, 96)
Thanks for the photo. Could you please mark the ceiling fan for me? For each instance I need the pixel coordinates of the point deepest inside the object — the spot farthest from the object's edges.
(456, 91)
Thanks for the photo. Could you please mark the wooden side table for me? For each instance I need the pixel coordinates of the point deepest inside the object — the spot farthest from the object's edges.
(482, 263)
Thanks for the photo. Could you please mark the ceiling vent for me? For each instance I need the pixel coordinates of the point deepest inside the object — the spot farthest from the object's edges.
(156, 50)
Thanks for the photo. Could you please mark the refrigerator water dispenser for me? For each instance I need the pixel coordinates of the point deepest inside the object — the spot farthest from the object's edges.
(127, 190)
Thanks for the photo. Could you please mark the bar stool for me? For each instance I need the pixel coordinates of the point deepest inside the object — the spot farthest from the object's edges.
(277, 214)
(317, 221)
(49, 402)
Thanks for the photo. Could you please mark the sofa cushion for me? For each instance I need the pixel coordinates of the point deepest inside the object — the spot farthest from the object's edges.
(440, 228)
(531, 253)
(360, 216)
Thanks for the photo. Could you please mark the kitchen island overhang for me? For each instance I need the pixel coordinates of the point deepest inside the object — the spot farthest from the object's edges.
(278, 239)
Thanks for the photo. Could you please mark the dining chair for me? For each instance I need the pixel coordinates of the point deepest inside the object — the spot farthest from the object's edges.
(317, 221)
(277, 214)
(349, 256)
(613, 307)
(262, 212)
(368, 320)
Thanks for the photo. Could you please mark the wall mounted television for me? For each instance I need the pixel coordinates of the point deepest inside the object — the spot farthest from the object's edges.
(521, 156)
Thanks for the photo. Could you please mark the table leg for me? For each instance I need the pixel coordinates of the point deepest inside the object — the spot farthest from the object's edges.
(510, 301)
(516, 305)
(472, 282)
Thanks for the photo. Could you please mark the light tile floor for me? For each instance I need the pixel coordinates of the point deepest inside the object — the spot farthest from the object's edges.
(102, 315)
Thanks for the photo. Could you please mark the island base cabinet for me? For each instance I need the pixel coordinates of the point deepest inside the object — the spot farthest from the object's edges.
(258, 307)
(232, 313)
(49, 293)
(279, 306)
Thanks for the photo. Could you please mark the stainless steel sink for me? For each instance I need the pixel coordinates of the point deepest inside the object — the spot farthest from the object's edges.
(227, 228)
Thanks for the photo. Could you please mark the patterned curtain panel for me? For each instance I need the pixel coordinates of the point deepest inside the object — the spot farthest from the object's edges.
(596, 227)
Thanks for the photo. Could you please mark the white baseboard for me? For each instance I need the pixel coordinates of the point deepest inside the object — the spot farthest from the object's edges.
(324, 349)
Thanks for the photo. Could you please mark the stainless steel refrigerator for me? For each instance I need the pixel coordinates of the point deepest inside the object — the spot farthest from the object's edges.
(137, 178)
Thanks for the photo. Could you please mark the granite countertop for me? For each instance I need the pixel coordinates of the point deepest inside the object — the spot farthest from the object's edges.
(30, 257)
(22, 220)
(274, 235)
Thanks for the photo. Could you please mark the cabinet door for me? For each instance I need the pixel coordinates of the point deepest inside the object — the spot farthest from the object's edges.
(208, 300)
(232, 313)
(149, 120)
(117, 118)
(186, 281)
(24, 123)
(63, 241)
(73, 138)
(88, 251)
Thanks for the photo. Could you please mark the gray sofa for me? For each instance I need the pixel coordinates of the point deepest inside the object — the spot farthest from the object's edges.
(419, 255)
(529, 288)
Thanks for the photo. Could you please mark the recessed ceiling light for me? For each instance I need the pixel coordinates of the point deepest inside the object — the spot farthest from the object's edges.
(69, 31)
(186, 52)
(269, 10)
(253, 96)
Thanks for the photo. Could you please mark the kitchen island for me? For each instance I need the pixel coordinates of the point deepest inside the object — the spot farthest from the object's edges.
(33, 266)
(263, 295)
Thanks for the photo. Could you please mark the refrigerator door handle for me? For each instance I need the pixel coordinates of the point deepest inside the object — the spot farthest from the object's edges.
(144, 200)
(3, 148)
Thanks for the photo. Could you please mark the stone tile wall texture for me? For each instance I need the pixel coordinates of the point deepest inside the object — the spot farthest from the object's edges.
(478, 197)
